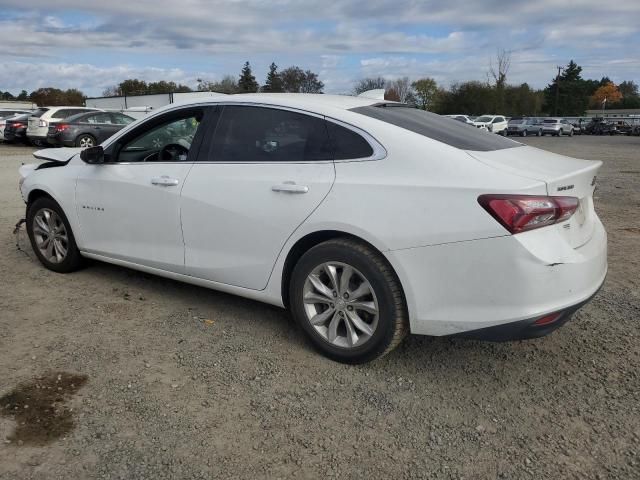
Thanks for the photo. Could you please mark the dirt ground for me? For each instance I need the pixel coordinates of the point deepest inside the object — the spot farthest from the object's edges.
(134, 376)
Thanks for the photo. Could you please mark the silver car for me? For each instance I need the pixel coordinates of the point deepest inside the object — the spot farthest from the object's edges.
(557, 127)
(524, 126)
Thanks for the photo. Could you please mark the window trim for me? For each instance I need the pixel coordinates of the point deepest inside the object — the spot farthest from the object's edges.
(379, 152)
(195, 146)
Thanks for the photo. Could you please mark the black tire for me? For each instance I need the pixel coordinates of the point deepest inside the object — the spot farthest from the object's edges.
(559, 134)
(571, 132)
(73, 260)
(393, 322)
(86, 140)
(539, 133)
(523, 133)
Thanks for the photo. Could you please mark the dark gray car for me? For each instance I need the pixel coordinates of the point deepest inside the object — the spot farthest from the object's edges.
(86, 129)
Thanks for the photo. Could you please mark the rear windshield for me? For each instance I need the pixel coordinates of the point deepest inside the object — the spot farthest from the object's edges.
(441, 129)
(39, 112)
(517, 121)
(551, 121)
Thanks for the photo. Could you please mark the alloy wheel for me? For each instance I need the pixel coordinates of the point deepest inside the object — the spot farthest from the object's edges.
(50, 235)
(340, 304)
(85, 142)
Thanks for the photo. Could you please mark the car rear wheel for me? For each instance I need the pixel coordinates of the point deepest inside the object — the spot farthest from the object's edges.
(539, 133)
(51, 237)
(348, 301)
(86, 141)
(523, 133)
(571, 133)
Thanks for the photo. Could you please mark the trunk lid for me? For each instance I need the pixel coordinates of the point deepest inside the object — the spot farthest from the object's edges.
(564, 176)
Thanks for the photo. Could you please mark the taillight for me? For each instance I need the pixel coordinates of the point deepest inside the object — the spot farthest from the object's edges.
(520, 213)
(18, 125)
(61, 127)
(42, 123)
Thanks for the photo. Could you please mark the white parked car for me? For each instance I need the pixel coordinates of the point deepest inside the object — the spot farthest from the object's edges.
(461, 118)
(493, 123)
(556, 127)
(367, 219)
(39, 121)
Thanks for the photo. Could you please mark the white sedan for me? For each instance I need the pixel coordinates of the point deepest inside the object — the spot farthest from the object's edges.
(367, 219)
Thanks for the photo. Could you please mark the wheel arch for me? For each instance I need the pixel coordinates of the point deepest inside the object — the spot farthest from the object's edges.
(39, 193)
(310, 240)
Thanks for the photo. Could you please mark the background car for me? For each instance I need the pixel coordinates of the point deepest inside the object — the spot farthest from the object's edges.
(493, 123)
(39, 121)
(15, 129)
(461, 118)
(556, 127)
(293, 200)
(86, 129)
(7, 113)
(524, 126)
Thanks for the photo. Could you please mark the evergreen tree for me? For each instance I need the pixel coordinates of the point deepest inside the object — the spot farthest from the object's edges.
(571, 92)
(274, 81)
(247, 82)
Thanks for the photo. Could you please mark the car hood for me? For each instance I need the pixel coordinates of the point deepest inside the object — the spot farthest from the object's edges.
(61, 155)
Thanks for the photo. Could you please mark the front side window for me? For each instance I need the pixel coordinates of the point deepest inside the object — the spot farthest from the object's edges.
(165, 139)
(260, 134)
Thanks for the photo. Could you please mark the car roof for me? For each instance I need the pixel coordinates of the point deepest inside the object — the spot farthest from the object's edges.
(316, 102)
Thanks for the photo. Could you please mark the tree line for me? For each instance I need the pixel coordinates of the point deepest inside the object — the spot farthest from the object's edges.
(568, 94)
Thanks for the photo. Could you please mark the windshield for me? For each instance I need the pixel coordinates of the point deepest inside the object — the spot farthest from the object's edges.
(441, 129)
(39, 112)
(484, 118)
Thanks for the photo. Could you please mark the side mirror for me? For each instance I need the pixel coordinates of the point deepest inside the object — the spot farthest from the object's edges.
(93, 155)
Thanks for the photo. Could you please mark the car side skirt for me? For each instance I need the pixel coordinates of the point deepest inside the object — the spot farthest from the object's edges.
(259, 295)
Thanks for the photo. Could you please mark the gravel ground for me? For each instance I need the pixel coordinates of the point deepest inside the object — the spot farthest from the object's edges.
(154, 379)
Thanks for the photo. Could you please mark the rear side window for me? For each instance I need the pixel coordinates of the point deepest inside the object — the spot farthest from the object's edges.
(259, 134)
(347, 144)
(441, 129)
(63, 113)
(121, 119)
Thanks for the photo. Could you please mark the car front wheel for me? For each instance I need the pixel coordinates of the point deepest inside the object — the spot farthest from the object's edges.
(348, 301)
(51, 237)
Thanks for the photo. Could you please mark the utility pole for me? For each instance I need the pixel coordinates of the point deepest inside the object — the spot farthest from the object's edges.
(560, 69)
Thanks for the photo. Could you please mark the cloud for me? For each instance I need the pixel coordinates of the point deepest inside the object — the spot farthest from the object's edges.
(342, 40)
(86, 77)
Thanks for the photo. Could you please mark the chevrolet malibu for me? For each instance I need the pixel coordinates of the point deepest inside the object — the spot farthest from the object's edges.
(366, 219)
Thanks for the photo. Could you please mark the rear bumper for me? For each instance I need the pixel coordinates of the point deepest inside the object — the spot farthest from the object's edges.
(525, 329)
(475, 285)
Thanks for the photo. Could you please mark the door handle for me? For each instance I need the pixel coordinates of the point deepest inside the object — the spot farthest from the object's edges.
(165, 181)
(290, 187)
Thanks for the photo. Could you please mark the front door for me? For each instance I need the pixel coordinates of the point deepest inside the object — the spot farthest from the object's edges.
(129, 207)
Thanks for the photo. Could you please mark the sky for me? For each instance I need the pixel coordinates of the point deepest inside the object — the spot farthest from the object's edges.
(92, 45)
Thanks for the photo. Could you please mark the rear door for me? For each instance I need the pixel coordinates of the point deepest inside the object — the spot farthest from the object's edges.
(256, 179)
(100, 125)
